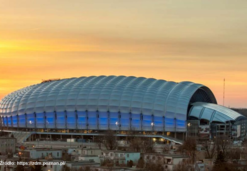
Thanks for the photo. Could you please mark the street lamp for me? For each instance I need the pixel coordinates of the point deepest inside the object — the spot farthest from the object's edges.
(189, 125)
(117, 125)
(152, 124)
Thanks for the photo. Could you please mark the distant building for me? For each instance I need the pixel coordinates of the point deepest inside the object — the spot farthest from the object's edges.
(90, 151)
(121, 156)
(89, 154)
(41, 153)
(167, 160)
(7, 144)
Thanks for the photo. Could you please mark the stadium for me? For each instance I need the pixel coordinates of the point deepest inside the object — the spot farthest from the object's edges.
(89, 106)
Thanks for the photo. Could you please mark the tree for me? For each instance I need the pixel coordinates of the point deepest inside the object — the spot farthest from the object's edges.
(154, 167)
(189, 148)
(117, 163)
(166, 149)
(148, 146)
(222, 165)
(36, 167)
(87, 168)
(66, 157)
(9, 153)
(183, 166)
(210, 149)
(19, 168)
(135, 144)
(140, 163)
(130, 163)
(107, 163)
(233, 154)
(223, 143)
(99, 141)
(65, 168)
(220, 158)
(110, 140)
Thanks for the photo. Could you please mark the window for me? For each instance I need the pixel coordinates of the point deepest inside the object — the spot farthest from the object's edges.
(128, 155)
(57, 154)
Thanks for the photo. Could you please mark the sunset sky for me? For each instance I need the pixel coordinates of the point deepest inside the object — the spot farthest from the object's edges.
(203, 41)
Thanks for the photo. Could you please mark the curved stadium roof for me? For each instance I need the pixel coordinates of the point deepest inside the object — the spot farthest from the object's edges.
(119, 94)
(213, 112)
(109, 93)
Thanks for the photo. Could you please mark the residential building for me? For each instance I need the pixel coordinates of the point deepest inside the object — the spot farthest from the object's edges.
(169, 161)
(121, 156)
(7, 144)
(41, 153)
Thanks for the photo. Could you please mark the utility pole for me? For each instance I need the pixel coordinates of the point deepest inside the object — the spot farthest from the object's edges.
(224, 91)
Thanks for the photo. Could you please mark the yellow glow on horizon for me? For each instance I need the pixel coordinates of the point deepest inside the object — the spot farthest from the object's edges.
(176, 41)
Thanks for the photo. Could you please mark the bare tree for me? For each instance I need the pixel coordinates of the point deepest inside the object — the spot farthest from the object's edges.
(139, 144)
(140, 163)
(243, 154)
(210, 149)
(110, 140)
(166, 149)
(134, 141)
(99, 141)
(223, 143)
(184, 166)
(189, 148)
(150, 166)
(147, 146)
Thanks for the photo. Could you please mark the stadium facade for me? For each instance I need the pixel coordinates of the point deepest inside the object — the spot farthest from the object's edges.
(98, 103)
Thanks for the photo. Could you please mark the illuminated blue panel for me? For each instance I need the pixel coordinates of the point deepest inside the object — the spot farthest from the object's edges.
(180, 124)
(50, 120)
(146, 122)
(9, 121)
(169, 124)
(71, 120)
(103, 120)
(136, 121)
(15, 121)
(30, 121)
(125, 121)
(113, 120)
(82, 120)
(60, 120)
(158, 123)
(40, 120)
(5, 121)
(22, 121)
(92, 120)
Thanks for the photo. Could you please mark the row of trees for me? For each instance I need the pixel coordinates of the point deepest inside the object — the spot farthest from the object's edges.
(135, 143)
(220, 150)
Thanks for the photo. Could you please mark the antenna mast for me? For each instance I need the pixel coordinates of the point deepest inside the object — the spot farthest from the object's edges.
(224, 91)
